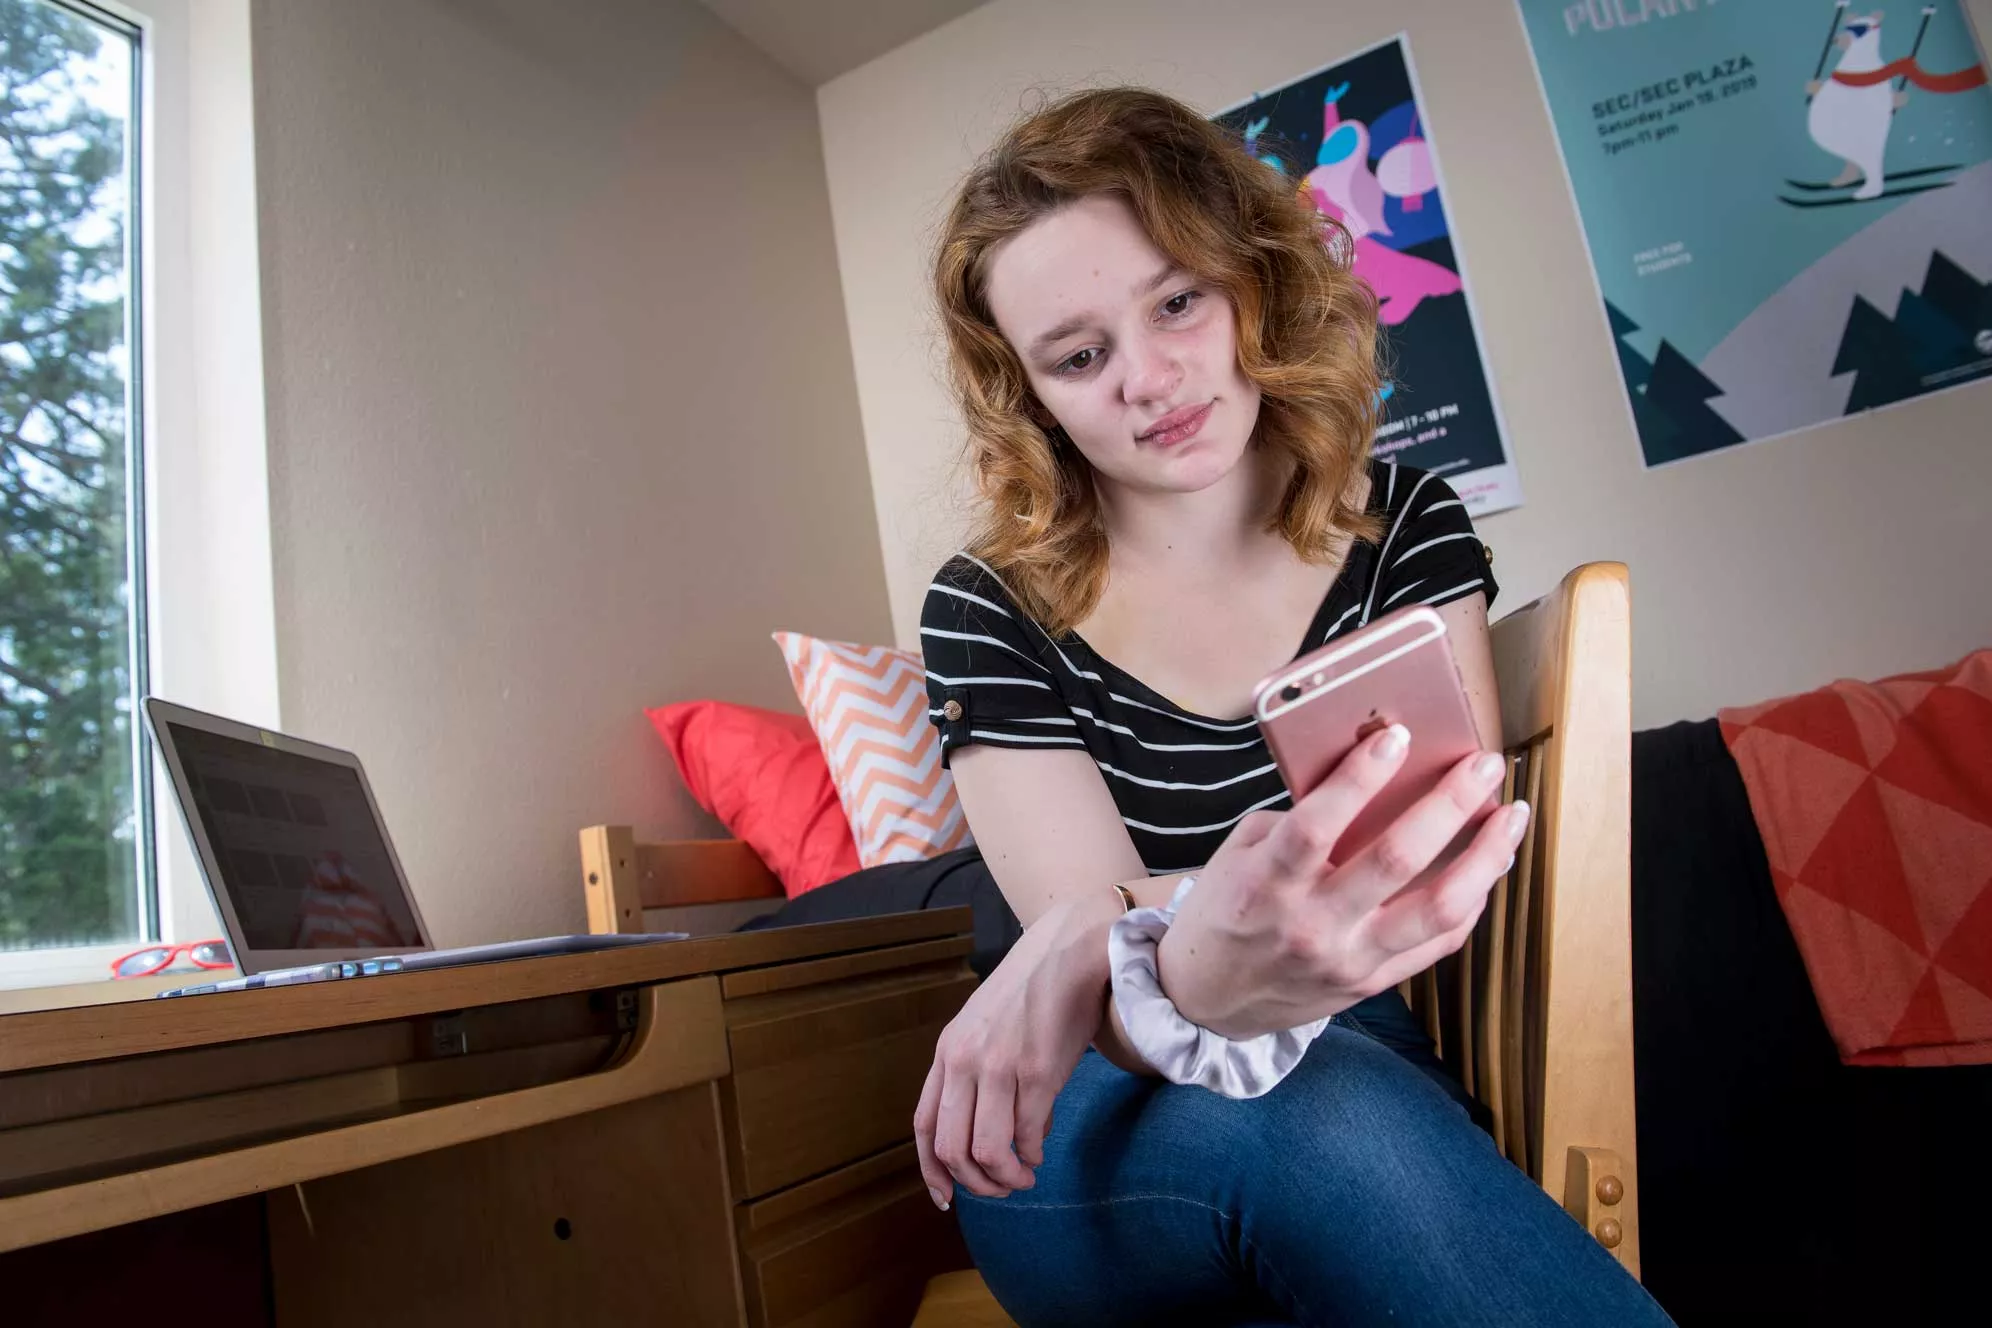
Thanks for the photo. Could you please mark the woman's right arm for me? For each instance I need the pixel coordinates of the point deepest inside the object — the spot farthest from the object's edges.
(1046, 825)
(1054, 842)
(1053, 839)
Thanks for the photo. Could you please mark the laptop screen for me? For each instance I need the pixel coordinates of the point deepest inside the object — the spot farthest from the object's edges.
(299, 849)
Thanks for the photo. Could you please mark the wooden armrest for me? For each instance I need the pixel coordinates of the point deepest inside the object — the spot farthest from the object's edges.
(1534, 1013)
(1594, 1193)
(625, 877)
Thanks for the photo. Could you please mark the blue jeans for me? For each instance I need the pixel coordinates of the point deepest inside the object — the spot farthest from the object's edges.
(1358, 1191)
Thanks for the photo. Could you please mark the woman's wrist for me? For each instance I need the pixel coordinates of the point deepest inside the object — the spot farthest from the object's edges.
(1080, 925)
(1178, 1046)
(1178, 970)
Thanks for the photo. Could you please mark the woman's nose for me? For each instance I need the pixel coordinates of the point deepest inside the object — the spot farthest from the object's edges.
(1152, 374)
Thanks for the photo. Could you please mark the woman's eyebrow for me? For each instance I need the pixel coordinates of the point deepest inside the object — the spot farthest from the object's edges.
(1157, 281)
(1074, 324)
(1079, 322)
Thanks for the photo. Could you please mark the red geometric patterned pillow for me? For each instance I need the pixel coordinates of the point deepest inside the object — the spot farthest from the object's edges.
(1874, 801)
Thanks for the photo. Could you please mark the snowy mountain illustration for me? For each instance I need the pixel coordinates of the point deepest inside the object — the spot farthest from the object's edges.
(1788, 363)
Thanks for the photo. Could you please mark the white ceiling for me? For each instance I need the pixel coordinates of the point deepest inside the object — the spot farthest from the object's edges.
(816, 40)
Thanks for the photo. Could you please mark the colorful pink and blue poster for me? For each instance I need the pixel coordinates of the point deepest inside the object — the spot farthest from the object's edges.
(1355, 138)
(1788, 205)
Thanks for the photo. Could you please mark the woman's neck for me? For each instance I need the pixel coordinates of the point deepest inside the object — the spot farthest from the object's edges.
(1213, 532)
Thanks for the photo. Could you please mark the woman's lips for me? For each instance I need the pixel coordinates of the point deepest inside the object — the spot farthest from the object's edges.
(1178, 426)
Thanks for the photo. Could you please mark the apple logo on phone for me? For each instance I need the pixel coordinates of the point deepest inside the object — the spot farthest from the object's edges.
(1374, 724)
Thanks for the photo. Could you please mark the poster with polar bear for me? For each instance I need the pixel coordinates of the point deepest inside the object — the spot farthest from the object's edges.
(1787, 203)
(1354, 138)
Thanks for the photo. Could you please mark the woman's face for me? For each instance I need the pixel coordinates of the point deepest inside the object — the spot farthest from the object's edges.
(1135, 358)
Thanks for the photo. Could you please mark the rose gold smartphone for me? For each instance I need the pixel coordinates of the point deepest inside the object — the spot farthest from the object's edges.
(1398, 670)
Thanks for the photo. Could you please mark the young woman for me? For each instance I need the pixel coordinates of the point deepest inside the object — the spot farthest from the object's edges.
(1169, 379)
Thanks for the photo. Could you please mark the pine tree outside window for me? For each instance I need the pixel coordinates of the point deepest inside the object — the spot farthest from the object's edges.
(76, 860)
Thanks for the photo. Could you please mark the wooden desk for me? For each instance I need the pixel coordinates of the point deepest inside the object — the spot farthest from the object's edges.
(711, 1131)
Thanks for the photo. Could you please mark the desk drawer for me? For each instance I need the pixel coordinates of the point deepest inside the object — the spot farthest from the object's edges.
(852, 1249)
(828, 1074)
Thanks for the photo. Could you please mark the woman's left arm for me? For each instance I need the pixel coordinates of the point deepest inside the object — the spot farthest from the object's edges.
(1466, 627)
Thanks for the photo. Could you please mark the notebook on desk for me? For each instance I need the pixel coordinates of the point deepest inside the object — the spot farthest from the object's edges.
(299, 863)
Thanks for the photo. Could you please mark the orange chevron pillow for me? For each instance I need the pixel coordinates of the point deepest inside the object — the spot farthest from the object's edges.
(868, 705)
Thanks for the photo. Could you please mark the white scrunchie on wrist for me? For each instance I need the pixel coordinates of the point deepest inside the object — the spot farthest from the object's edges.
(1183, 1052)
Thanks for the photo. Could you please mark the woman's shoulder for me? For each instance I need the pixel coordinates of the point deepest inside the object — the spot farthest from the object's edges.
(1430, 553)
(967, 589)
(1400, 490)
(971, 625)
(965, 578)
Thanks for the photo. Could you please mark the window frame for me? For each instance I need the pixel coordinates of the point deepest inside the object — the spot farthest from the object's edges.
(207, 606)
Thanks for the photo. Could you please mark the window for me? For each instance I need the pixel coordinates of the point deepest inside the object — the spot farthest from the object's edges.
(76, 861)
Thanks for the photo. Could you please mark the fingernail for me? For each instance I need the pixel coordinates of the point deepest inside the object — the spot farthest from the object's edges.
(1518, 822)
(1511, 865)
(940, 1201)
(1489, 767)
(1393, 742)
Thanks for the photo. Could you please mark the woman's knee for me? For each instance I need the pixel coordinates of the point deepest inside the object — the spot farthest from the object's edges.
(1348, 1075)
(1356, 1115)
(1353, 1115)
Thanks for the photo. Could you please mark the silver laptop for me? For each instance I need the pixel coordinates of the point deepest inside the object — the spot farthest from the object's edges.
(297, 858)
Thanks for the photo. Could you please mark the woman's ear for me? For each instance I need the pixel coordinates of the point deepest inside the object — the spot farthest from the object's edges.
(1054, 432)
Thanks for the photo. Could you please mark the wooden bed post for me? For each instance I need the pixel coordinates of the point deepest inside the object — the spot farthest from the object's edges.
(608, 866)
(623, 877)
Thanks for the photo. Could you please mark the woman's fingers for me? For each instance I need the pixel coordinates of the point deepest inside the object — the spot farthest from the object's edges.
(954, 1133)
(1034, 1099)
(1255, 827)
(1412, 962)
(991, 1144)
(1453, 898)
(1415, 839)
(926, 1117)
(1472, 881)
(1305, 836)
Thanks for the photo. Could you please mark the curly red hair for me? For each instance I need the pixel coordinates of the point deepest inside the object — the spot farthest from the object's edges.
(1307, 330)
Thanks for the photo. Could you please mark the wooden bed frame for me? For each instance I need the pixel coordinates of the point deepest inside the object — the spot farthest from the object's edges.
(1535, 1012)
(625, 879)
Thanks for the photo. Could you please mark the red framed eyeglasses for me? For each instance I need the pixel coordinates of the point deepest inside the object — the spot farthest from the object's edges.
(158, 958)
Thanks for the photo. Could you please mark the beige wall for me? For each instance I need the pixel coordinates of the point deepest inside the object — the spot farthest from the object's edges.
(1852, 549)
(561, 416)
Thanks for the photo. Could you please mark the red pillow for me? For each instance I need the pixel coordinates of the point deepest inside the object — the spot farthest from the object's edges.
(763, 775)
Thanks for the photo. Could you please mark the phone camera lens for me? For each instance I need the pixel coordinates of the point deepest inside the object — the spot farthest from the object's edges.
(1290, 692)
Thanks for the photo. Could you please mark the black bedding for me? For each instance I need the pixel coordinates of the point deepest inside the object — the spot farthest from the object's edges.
(951, 880)
(1776, 1184)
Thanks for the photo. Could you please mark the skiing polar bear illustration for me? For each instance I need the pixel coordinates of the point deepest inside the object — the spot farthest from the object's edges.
(1852, 121)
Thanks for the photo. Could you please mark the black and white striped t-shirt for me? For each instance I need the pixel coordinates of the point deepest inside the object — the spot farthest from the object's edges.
(1180, 780)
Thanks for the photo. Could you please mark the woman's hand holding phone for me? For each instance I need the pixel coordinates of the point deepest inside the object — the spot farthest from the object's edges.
(1277, 933)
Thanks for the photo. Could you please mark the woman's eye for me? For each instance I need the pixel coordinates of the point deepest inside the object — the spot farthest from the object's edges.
(1078, 361)
(1178, 305)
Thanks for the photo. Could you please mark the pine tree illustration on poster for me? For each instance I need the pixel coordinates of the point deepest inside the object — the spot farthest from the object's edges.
(1656, 429)
(1874, 353)
(1669, 398)
(1931, 337)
